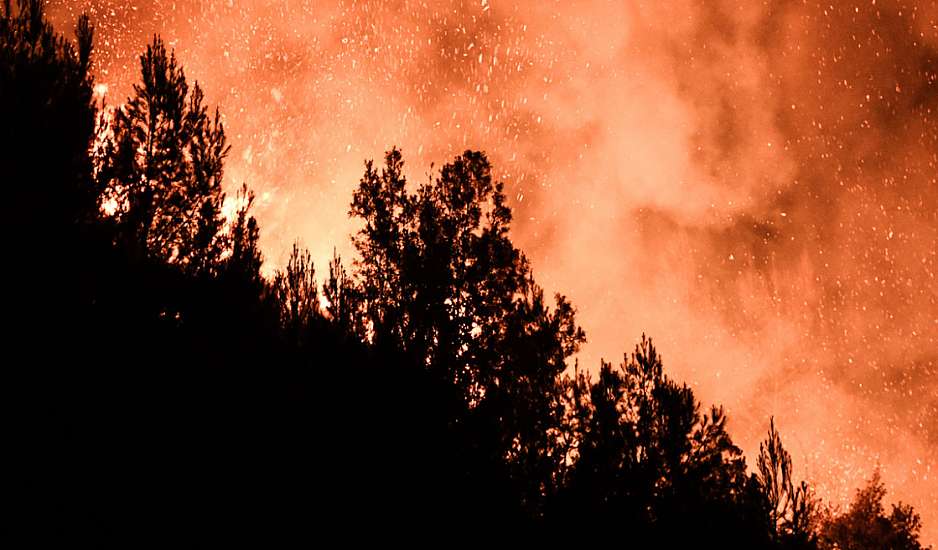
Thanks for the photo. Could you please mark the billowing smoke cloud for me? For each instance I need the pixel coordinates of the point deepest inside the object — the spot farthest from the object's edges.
(752, 184)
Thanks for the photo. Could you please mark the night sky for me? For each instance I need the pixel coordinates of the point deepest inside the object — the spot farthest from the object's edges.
(752, 184)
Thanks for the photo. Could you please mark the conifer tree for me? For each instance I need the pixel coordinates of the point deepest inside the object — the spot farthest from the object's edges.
(440, 280)
(164, 166)
(867, 525)
(47, 126)
(791, 508)
(648, 458)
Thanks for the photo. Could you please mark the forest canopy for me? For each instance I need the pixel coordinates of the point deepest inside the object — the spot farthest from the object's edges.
(163, 386)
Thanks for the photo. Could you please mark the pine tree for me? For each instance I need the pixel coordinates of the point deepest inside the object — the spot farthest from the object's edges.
(866, 525)
(343, 300)
(648, 459)
(298, 296)
(163, 168)
(243, 259)
(791, 508)
(48, 124)
(440, 280)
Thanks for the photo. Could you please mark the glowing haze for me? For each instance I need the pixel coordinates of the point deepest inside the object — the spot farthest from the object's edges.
(751, 184)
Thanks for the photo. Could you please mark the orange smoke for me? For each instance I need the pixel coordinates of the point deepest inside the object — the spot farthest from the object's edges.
(752, 185)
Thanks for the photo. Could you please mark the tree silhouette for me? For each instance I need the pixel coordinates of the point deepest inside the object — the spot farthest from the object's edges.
(866, 524)
(440, 280)
(163, 169)
(242, 261)
(342, 300)
(791, 508)
(649, 460)
(298, 296)
(48, 122)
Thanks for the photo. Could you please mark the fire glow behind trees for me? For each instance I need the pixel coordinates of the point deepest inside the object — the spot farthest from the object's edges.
(754, 185)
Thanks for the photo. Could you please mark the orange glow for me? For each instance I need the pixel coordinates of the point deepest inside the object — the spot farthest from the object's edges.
(751, 184)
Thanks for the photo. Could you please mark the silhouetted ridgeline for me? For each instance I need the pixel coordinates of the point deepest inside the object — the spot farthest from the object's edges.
(157, 386)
